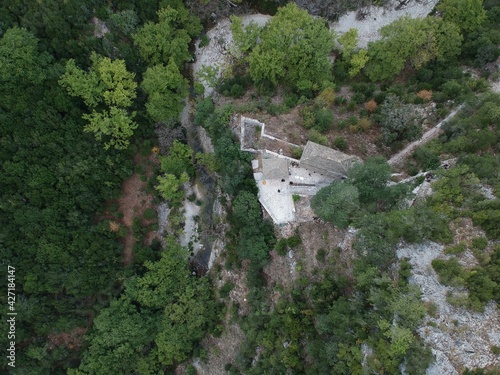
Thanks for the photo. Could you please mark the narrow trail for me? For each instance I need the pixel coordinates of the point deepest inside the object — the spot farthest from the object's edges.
(400, 157)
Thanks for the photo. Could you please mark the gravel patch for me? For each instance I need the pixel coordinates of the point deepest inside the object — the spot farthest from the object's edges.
(379, 17)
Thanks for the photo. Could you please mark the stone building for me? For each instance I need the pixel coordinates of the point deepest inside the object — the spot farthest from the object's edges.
(326, 161)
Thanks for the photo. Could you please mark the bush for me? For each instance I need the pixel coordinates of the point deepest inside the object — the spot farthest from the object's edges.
(427, 158)
(281, 246)
(150, 214)
(204, 109)
(297, 152)
(340, 143)
(321, 255)
(479, 243)
(323, 119)
(293, 241)
(290, 100)
(450, 272)
(204, 40)
(317, 137)
(237, 91)
(326, 98)
(455, 249)
(340, 100)
(225, 289)
(399, 121)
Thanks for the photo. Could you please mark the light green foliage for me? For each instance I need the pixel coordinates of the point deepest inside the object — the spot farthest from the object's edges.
(107, 84)
(245, 38)
(168, 187)
(348, 42)
(337, 203)
(358, 62)
(116, 125)
(414, 41)
(408, 308)
(294, 48)
(169, 38)
(179, 160)
(166, 89)
(468, 15)
(20, 60)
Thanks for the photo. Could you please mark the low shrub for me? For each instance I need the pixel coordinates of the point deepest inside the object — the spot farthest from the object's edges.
(340, 143)
(449, 271)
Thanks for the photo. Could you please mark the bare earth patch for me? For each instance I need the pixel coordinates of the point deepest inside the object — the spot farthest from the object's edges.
(132, 203)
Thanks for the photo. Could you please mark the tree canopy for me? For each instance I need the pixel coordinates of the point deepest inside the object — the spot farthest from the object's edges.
(293, 48)
(168, 38)
(166, 89)
(412, 42)
(467, 15)
(108, 89)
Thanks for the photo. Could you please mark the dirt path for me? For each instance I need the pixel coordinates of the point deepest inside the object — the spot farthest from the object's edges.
(400, 157)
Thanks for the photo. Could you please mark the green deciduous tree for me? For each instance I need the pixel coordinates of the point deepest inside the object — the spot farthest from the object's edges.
(348, 42)
(169, 38)
(20, 60)
(468, 15)
(108, 89)
(370, 178)
(293, 48)
(245, 38)
(337, 203)
(411, 42)
(107, 81)
(179, 160)
(121, 331)
(116, 125)
(168, 186)
(358, 62)
(166, 89)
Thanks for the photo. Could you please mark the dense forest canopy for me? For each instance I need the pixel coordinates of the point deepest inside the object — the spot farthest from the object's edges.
(91, 94)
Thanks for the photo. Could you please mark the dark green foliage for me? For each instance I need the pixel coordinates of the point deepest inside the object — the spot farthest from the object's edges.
(55, 179)
(166, 306)
(204, 109)
(150, 214)
(226, 288)
(234, 87)
(247, 217)
(450, 272)
(340, 143)
(427, 158)
(370, 178)
(337, 203)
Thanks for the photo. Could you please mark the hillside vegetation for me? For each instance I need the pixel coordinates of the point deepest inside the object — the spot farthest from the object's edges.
(91, 96)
